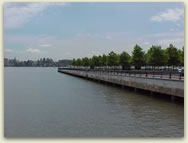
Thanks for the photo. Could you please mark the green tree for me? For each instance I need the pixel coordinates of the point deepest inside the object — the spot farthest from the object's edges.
(182, 56)
(100, 60)
(173, 56)
(95, 61)
(138, 57)
(78, 62)
(125, 60)
(86, 61)
(73, 62)
(156, 56)
(113, 59)
(104, 60)
(181, 53)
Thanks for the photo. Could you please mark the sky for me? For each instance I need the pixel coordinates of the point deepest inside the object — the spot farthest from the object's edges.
(77, 30)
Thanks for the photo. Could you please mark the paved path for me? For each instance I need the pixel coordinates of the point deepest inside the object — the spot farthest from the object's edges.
(156, 76)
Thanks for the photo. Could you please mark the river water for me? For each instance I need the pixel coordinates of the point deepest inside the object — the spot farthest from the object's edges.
(40, 102)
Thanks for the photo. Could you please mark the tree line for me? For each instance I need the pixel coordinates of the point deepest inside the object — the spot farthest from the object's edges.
(155, 57)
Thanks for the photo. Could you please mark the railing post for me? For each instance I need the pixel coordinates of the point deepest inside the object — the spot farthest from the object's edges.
(180, 76)
(170, 76)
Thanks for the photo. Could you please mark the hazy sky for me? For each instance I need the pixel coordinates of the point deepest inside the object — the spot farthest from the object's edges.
(76, 30)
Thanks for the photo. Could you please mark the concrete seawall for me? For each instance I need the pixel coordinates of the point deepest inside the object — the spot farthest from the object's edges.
(164, 86)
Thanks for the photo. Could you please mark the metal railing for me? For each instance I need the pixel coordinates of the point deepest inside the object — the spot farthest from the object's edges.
(171, 75)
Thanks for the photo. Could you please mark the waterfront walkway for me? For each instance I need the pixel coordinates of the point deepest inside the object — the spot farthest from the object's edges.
(166, 75)
(168, 82)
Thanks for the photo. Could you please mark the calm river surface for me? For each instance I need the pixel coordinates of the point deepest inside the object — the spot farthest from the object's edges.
(40, 102)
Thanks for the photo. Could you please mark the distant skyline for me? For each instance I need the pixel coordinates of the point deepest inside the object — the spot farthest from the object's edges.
(76, 30)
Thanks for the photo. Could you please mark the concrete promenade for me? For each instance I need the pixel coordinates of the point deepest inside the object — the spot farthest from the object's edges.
(173, 87)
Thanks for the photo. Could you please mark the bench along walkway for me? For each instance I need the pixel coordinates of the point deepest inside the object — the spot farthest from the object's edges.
(161, 82)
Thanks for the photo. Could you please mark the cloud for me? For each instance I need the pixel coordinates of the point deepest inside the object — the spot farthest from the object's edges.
(31, 40)
(18, 14)
(59, 3)
(167, 34)
(163, 39)
(146, 43)
(33, 51)
(45, 45)
(108, 37)
(68, 53)
(172, 29)
(8, 50)
(176, 41)
(178, 24)
(173, 15)
(94, 36)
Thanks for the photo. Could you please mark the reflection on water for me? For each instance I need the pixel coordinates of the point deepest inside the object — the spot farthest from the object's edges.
(40, 102)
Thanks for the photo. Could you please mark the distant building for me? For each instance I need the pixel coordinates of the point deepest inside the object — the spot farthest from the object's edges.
(6, 63)
(43, 62)
(64, 63)
(11, 62)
